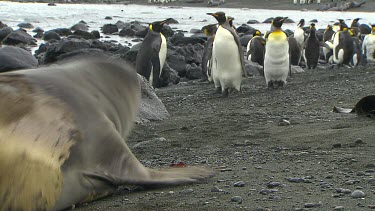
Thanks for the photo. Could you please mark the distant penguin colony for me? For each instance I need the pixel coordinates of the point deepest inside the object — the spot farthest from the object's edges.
(274, 53)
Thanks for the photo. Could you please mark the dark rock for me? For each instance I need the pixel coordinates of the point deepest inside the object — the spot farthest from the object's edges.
(84, 34)
(109, 28)
(99, 44)
(192, 53)
(18, 37)
(314, 21)
(121, 25)
(288, 32)
(51, 35)
(167, 31)
(80, 26)
(177, 62)
(252, 22)
(127, 32)
(108, 18)
(131, 55)
(82, 21)
(38, 29)
(288, 20)
(15, 58)
(61, 47)
(193, 71)
(169, 76)
(172, 21)
(38, 35)
(246, 29)
(253, 68)
(4, 32)
(141, 32)
(268, 20)
(245, 39)
(96, 34)
(180, 39)
(25, 25)
(51, 4)
(151, 107)
(62, 31)
(195, 31)
(86, 52)
(2, 25)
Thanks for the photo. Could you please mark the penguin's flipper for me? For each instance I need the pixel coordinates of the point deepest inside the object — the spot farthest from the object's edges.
(155, 60)
(325, 45)
(240, 51)
(342, 110)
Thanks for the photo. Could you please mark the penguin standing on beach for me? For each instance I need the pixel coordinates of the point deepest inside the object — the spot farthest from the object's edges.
(342, 45)
(299, 33)
(209, 31)
(357, 48)
(368, 46)
(227, 55)
(295, 50)
(276, 59)
(327, 39)
(312, 48)
(255, 48)
(152, 53)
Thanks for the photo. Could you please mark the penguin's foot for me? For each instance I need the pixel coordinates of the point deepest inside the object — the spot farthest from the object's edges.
(225, 93)
(280, 83)
(270, 85)
(217, 90)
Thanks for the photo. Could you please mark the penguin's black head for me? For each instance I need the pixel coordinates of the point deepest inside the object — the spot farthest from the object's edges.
(278, 21)
(158, 25)
(209, 30)
(341, 21)
(312, 27)
(356, 20)
(343, 27)
(329, 28)
(301, 23)
(219, 16)
(230, 20)
(257, 33)
(373, 27)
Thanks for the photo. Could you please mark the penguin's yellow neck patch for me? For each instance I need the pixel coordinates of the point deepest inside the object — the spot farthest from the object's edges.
(150, 27)
(205, 31)
(277, 35)
(373, 29)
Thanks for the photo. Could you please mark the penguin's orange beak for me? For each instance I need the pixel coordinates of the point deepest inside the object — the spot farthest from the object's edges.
(212, 14)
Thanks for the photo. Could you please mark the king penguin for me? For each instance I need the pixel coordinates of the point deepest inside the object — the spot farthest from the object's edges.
(342, 45)
(255, 48)
(312, 48)
(327, 39)
(276, 59)
(227, 55)
(368, 46)
(299, 33)
(209, 31)
(152, 53)
(357, 48)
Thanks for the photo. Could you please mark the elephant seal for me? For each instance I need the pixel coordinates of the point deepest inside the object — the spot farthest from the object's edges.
(364, 107)
(62, 136)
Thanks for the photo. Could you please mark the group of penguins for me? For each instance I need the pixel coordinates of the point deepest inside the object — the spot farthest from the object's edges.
(223, 56)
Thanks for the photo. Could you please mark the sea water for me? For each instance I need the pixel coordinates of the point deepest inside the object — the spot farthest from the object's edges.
(66, 15)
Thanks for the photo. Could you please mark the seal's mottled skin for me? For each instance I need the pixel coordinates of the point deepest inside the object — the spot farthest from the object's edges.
(62, 136)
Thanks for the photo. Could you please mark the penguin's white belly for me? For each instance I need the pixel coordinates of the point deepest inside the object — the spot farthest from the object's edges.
(162, 57)
(276, 61)
(227, 70)
(338, 52)
(369, 45)
(299, 34)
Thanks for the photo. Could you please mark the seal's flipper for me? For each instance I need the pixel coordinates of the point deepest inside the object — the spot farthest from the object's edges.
(342, 110)
(152, 177)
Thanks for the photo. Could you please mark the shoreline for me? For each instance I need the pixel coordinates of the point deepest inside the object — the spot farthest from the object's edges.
(239, 4)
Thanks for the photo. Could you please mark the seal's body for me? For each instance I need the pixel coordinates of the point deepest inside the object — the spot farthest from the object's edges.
(62, 137)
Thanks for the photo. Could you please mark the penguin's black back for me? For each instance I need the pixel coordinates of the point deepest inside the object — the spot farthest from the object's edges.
(257, 50)
(295, 50)
(312, 51)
